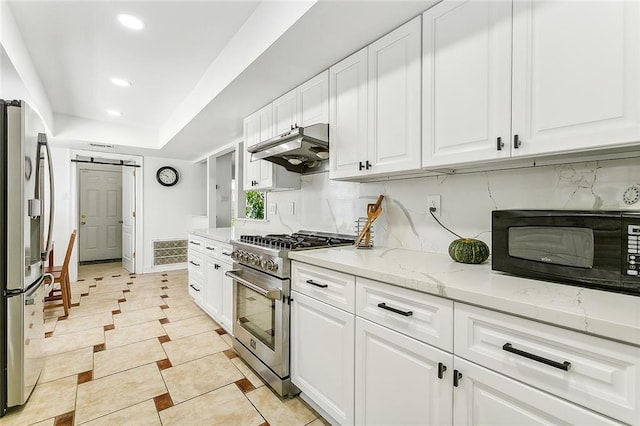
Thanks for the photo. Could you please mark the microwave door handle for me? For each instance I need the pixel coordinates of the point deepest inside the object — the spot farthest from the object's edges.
(42, 141)
(269, 293)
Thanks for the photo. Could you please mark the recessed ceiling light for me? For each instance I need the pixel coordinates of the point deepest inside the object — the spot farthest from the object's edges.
(120, 82)
(131, 22)
(114, 113)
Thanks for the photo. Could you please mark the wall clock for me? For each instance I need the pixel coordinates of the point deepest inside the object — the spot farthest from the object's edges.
(167, 176)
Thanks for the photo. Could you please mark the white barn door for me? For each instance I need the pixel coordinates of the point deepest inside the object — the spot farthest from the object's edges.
(129, 218)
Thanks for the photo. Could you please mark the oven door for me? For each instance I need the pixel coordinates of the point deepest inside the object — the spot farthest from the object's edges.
(261, 318)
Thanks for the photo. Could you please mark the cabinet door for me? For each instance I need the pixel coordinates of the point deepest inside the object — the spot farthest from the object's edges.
(226, 311)
(466, 82)
(348, 116)
(394, 118)
(257, 128)
(483, 397)
(265, 129)
(251, 171)
(576, 79)
(322, 355)
(284, 113)
(397, 381)
(213, 293)
(313, 100)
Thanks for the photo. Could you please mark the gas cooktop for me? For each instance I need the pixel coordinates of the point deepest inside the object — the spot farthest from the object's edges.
(269, 253)
(298, 240)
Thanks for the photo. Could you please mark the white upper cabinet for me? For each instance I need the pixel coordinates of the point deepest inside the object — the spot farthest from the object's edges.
(576, 75)
(466, 82)
(348, 115)
(284, 113)
(394, 100)
(374, 105)
(262, 175)
(528, 78)
(312, 101)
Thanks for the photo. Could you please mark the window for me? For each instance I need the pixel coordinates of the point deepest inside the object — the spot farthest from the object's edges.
(254, 208)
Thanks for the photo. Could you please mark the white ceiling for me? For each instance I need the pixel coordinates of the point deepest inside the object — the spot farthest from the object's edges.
(77, 46)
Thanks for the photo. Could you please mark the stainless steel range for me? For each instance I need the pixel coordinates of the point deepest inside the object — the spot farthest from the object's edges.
(261, 297)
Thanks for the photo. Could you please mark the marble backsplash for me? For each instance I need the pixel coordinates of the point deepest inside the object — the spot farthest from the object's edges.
(466, 201)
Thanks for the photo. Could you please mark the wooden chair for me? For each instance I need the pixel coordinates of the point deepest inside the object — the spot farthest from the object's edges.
(61, 276)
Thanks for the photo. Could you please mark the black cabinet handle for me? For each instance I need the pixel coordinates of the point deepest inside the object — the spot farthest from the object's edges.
(216, 266)
(194, 263)
(394, 310)
(316, 284)
(499, 144)
(226, 253)
(211, 248)
(566, 365)
(360, 165)
(457, 376)
(196, 289)
(194, 243)
(367, 164)
(516, 141)
(441, 369)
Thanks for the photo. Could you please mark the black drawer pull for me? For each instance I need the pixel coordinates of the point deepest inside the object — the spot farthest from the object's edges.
(194, 243)
(516, 141)
(194, 263)
(360, 165)
(397, 311)
(499, 144)
(211, 248)
(441, 369)
(316, 284)
(566, 365)
(457, 376)
(196, 289)
(226, 253)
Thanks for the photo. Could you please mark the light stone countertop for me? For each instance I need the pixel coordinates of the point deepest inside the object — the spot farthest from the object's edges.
(223, 235)
(611, 315)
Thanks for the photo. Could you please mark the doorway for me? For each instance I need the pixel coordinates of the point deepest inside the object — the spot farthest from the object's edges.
(100, 226)
(130, 205)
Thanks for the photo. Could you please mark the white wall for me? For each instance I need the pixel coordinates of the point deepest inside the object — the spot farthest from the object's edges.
(62, 226)
(170, 212)
(467, 201)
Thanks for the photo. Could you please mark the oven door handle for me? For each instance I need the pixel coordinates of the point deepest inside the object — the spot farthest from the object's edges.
(269, 293)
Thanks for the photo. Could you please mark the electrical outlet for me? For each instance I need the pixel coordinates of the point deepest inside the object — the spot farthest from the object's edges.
(433, 201)
(273, 208)
(292, 208)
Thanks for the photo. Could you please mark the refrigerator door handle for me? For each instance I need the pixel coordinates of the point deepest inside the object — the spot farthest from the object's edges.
(29, 293)
(42, 141)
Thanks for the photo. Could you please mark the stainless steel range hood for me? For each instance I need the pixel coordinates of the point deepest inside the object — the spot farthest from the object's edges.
(302, 149)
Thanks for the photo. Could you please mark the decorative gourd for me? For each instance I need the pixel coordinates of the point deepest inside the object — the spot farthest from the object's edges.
(468, 250)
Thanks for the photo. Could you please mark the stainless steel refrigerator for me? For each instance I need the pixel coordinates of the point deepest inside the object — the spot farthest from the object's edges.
(26, 207)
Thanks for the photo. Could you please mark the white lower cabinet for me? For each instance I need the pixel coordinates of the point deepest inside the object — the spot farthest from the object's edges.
(225, 318)
(210, 288)
(322, 355)
(399, 380)
(420, 359)
(483, 397)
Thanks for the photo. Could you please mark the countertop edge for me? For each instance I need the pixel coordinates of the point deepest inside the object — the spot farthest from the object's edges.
(436, 283)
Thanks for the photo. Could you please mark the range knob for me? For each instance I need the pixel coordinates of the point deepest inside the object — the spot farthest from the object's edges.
(263, 262)
(234, 254)
(272, 266)
(255, 259)
(243, 255)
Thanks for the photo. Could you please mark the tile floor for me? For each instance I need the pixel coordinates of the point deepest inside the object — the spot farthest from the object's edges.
(136, 350)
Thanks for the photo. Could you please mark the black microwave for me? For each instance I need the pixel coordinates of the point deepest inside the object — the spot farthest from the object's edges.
(596, 249)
